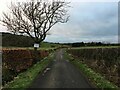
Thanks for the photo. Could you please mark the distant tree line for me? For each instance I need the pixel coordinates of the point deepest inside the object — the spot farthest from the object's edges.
(25, 41)
(82, 44)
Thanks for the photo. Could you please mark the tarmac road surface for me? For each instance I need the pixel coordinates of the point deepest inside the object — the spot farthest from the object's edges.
(61, 74)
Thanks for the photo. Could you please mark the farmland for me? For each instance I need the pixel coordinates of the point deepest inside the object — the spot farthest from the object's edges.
(105, 61)
(19, 59)
(60, 44)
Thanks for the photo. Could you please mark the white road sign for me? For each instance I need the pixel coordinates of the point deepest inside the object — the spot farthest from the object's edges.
(36, 45)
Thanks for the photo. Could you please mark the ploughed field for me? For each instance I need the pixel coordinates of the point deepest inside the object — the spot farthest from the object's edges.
(105, 61)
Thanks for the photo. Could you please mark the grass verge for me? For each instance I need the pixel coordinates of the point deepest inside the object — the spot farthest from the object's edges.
(98, 80)
(23, 80)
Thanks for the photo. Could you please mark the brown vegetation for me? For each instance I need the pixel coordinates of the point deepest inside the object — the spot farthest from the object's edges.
(103, 60)
(15, 61)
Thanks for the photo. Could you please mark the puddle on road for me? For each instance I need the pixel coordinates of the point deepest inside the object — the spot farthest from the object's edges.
(47, 69)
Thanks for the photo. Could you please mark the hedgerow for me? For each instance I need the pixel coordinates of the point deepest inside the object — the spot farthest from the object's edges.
(18, 60)
(105, 61)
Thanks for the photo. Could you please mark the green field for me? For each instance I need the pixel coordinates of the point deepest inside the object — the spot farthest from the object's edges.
(90, 47)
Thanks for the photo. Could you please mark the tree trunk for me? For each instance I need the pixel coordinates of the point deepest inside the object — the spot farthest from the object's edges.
(36, 55)
(35, 49)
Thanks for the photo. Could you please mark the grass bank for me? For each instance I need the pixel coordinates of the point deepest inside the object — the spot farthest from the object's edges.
(95, 78)
(23, 80)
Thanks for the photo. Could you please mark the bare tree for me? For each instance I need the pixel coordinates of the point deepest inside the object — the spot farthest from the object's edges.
(35, 18)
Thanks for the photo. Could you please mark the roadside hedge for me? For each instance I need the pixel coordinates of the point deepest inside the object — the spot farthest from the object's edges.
(103, 60)
(18, 60)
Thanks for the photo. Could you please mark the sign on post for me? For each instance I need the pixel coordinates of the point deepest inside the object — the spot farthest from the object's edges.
(36, 45)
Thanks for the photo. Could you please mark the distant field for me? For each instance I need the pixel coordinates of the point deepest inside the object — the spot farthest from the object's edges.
(90, 47)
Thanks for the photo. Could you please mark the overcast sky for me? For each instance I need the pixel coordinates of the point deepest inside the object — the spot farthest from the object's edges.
(89, 21)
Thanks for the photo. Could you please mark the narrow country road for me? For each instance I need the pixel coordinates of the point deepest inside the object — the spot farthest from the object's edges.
(60, 74)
